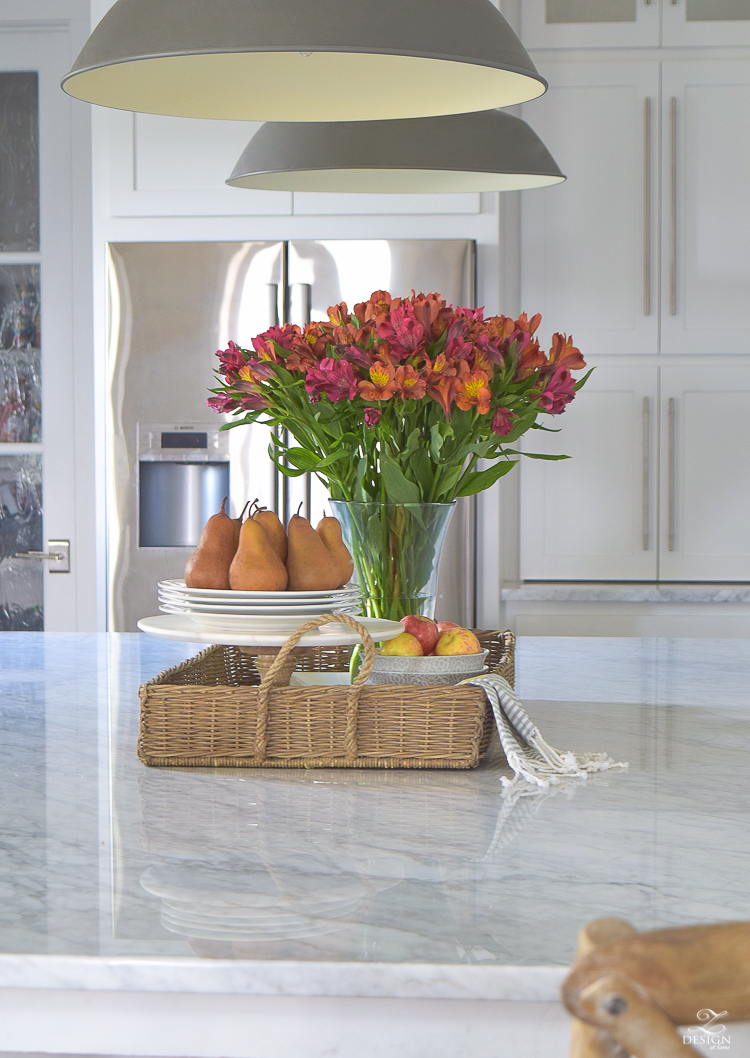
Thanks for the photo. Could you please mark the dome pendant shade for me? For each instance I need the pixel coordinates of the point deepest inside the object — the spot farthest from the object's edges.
(303, 60)
(490, 151)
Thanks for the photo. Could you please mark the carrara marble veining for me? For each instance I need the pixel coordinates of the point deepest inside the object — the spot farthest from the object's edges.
(424, 885)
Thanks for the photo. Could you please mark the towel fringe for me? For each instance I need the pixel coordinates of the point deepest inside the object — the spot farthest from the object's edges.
(530, 757)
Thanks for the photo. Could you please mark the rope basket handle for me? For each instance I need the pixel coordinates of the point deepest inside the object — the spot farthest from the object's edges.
(352, 694)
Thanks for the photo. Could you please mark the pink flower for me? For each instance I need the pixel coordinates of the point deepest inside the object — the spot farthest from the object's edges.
(559, 390)
(287, 336)
(333, 378)
(372, 416)
(358, 357)
(253, 402)
(223, 403)
(231, 359)
(402, 331)
(502, 422)
(456, 346)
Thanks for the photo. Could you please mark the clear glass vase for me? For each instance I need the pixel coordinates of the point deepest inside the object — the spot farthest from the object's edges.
(396, 549)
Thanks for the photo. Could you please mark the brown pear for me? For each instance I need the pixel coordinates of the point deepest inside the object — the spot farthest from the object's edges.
(274, 530)
(256, 566)
(311, 565)
(329, 530)
(208, 566)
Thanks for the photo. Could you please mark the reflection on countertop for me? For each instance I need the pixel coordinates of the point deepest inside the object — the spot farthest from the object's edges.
(433, 878)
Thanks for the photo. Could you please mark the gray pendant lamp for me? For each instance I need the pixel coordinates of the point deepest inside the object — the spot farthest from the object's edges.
(489, 151)
(303, 60)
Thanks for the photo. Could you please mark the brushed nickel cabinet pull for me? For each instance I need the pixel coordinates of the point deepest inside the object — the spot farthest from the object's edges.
(647, 206)
(671, 489)
(646, 473)
(58, 555)
(673, 206)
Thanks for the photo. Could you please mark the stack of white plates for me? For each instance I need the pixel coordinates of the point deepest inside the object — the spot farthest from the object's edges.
(251, 611)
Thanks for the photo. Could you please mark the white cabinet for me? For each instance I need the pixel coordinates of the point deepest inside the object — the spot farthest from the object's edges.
(635, 23)
(590, 23)
(706, 225)
(590, 245)
(705, 478)
(599, 516)
(705, 23)
(593, 517)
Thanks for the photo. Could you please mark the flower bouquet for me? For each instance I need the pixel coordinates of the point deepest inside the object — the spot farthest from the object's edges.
(399, 407)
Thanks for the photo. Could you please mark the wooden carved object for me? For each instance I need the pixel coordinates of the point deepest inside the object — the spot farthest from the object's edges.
(631, 989)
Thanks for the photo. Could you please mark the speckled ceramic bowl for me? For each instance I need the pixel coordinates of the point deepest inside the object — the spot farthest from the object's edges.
(443, 671)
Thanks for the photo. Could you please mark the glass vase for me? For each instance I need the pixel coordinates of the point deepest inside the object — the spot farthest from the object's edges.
(396, 549)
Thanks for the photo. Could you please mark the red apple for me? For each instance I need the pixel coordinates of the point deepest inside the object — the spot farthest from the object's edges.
(403, 646)
(457, 641)
(445, 626)
(422, 628)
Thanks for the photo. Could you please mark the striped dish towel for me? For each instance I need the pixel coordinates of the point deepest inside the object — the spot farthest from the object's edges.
(531, 758)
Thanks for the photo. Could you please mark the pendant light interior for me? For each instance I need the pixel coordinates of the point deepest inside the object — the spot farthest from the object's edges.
(303, 60)
(293, 87)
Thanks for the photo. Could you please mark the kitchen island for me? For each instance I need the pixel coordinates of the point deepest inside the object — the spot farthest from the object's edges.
(296, 914)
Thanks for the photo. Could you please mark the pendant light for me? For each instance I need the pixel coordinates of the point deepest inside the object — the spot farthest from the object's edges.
(303, 60)
(489, 151)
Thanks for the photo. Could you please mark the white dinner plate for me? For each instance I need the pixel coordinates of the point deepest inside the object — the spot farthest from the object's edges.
(218, 593)
(183, 629)
(167, 606)
(262, 605)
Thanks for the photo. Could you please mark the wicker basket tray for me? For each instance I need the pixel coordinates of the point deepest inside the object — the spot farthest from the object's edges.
(213, 711)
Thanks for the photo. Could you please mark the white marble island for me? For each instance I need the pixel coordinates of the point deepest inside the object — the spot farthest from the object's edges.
(300, 914)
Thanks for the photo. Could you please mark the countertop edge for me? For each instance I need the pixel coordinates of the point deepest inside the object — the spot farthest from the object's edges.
(225, 976)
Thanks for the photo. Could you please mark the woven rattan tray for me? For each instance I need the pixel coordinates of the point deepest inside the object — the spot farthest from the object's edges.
(213, 711)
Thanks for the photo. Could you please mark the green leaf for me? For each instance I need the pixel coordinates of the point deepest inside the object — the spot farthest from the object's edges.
(398, 488)
(584, 380)
(437, 440)
(422, 468)
(484, 479)
(301, 458)
(539, 455)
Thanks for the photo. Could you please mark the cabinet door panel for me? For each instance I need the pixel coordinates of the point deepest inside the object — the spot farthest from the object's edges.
(705, 22)
(706, 236)
(588, 244)
(590, 23)
(705, 474)
(593, 517)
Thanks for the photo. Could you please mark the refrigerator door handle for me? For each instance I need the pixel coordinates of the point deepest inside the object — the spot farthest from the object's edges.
(300, 303)
(273, 303)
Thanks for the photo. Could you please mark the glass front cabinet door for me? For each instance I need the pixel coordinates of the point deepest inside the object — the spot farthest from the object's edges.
(39, 419)
(591, 23)
(708, 23)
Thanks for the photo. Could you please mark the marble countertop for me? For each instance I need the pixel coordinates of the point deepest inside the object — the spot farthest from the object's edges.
(561, 591)
(403, 884)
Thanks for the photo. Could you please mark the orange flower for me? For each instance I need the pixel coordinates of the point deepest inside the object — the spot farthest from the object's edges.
(412, 385)
(247, 374)
(530, 360)
(379, 305)
(482, 362)
(473, 390)
(438, 369)
(428, 309)
(381, 384)
(529, 326)
(443, 390)
(564, 353)
(339, 314)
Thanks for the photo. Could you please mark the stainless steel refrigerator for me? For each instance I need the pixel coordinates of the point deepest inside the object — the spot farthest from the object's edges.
(171, 306)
